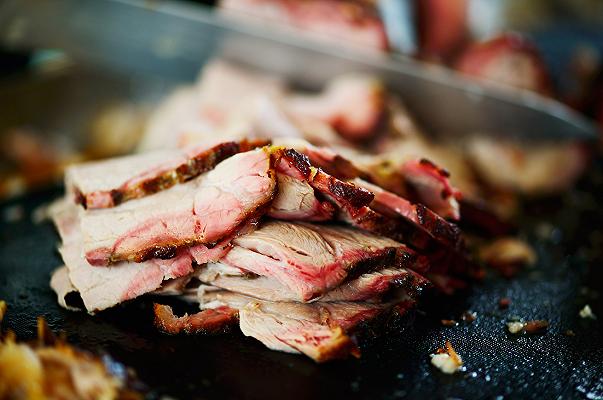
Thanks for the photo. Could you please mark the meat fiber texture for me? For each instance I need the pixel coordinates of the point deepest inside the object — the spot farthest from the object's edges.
(309, 260)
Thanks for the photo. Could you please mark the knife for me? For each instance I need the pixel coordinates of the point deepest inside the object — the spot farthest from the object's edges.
(174, 40)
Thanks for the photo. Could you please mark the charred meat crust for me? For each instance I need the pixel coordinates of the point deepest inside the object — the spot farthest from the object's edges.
(210, 321)
(298, 161)
(345, 193)
(439, 227)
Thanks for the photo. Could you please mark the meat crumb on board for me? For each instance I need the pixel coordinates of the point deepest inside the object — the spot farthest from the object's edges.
(447, 360)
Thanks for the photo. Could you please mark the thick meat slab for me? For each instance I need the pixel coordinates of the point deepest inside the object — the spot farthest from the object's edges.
(203, 211)
(108, 183)
(311, 259)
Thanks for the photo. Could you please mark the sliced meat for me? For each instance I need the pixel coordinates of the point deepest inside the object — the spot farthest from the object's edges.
(177, 287)
(393, 205)
(405, 222)
(419, 179)
(432, 187)
(367, 286)
(215, 320)
(312, 259)
(237, 280)
(319, 330)
(373, 285)
(203, 211)
(389, 215)
(323, 157)
(216, 106)
(108, 183)
(101, 288)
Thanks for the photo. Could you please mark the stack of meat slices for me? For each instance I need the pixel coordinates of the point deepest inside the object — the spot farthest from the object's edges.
(256, 233)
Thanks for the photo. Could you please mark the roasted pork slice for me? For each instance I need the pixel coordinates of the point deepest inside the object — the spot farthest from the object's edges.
(534, 169)
(369, 286)
(203, 211)
(432, 187)
(393, 205)
(107, 183)
(311, 259)
(319, 330)
(101, 288)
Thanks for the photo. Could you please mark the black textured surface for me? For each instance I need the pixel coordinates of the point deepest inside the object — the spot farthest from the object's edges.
(553, 365)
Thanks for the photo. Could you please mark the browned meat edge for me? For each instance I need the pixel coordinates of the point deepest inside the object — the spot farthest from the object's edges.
(194, 167)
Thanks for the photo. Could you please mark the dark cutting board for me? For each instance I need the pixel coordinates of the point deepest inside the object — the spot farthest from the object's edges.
(396, 365)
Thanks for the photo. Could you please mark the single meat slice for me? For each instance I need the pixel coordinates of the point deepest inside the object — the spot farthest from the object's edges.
(319, 330)
(107, 183)
(202, 211)
(393, 205)
(432, 187)
(312, 259)
(367, 286)
(101, 288)
(213, 320)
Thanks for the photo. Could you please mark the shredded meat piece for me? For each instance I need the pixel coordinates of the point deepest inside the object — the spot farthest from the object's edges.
(206, 321)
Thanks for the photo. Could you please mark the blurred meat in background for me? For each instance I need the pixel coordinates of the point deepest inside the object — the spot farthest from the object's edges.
(353, 115)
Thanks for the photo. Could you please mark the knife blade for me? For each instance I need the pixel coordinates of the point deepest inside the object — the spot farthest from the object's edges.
(174, 40)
